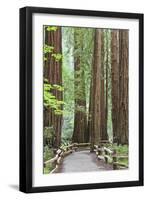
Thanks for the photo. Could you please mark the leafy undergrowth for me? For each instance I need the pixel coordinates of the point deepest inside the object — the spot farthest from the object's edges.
(121, 150)
(47, 155)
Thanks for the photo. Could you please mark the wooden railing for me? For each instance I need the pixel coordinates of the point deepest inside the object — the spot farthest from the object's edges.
(103, 153)
(110, 156)
(61, 153)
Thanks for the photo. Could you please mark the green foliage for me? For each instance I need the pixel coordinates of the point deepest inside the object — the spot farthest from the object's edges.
(68, 84)
(57, 56)
(47, 155)
(48, 49)
(68, 96)
(47, 169)
(58, 87)
(67, 129)
(120, 150)
(47, 86)
(48, 133)
(84, 48)
(49, 136)
(51, 28)
(76, 42)
(50, 100)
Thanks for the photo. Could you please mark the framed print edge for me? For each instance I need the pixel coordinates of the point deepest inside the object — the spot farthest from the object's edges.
(25, 101)
(141, 99)
(25, 138)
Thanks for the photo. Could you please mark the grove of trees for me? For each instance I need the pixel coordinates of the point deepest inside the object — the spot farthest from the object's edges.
(85, 86)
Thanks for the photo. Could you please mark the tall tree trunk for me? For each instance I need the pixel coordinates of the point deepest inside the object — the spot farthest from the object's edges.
(123, 86)
(53, 72)
(89, 124)
(106, 87)
(80, 119)
(103, 94)
(95, 105)
(115, 83)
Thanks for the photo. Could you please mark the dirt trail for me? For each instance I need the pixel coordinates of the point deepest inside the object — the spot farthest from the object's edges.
(83, 161)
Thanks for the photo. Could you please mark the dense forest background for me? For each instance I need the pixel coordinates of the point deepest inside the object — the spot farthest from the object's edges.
(85, 87)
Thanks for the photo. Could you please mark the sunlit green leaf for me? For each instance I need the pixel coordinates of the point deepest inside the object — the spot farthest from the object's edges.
(52, 28)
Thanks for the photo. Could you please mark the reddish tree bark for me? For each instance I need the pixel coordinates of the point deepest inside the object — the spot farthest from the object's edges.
(80, 119)
(123, 86)
(103, 97)
(95, 105)
(115, 83)
(53, 73)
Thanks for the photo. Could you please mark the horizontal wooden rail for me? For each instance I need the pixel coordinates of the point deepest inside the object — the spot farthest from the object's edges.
(62, 152)
(109, 156)
(120, 164)
(109, 151)
(116, 163)
(51, 160)
(120, 156)
(82, 144)
(103, 153)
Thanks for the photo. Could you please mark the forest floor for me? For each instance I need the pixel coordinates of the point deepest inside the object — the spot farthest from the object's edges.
(83, 161)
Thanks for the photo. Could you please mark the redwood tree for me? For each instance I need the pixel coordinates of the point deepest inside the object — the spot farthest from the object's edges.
(115, 83)
(123, 86)
(119, 48)
(95, 105)
(80, 119)
(53, 73)
(104, 86)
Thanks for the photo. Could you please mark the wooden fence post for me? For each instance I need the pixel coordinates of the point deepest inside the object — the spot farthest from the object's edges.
(114, 159)
(99, 151)
(106, 158)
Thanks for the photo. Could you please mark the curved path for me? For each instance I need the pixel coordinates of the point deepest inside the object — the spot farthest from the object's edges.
(83, 161)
